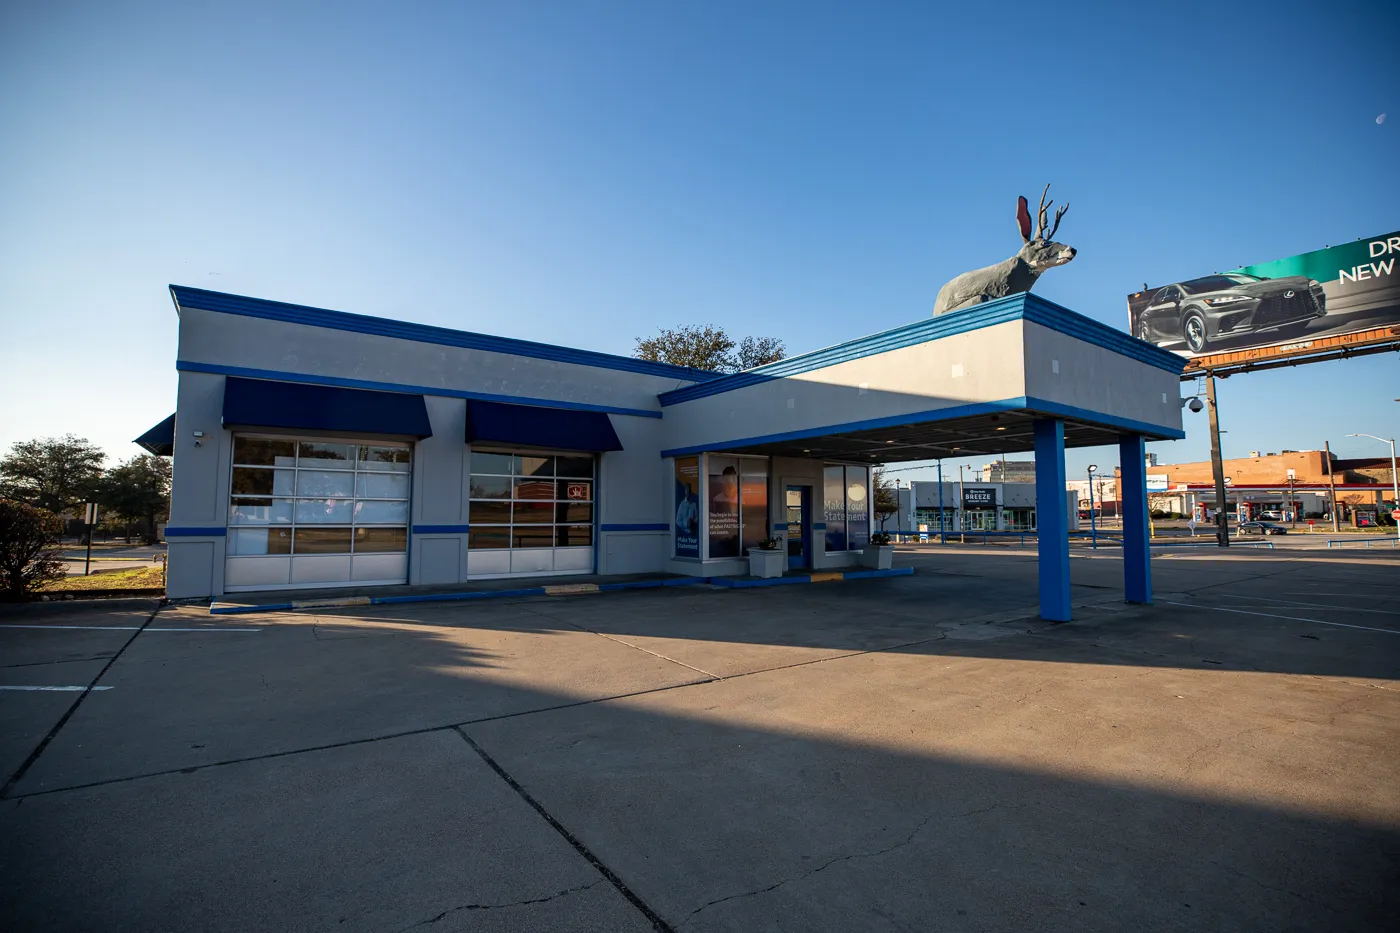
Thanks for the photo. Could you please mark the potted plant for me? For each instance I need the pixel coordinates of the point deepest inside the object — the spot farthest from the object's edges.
(766, 560)
(879, 553)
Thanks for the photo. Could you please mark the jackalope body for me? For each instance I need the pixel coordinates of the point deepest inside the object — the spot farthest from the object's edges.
(1016, 274)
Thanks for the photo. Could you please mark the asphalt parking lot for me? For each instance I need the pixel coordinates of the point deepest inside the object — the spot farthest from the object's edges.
(902, 754)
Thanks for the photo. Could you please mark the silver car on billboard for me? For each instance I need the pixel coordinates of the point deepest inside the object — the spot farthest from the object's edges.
(1201, 313)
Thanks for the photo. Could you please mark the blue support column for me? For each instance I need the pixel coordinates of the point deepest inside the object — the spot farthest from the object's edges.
(1137, 535)
(1052, 523)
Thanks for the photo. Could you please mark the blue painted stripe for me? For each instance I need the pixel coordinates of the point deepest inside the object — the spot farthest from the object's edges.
(441, 529)
(819, 526)
(1021, 403)
(192, 366)
(872, 574)
(654, 527)
(186, 297)
(190, 532)
(1016, 307)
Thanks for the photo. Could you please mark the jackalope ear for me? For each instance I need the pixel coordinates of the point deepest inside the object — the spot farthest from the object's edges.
(1023, 218)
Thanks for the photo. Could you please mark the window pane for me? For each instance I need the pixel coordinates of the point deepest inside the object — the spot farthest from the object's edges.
(834, 507)
(326, 456)
(857, 507)
(534, 489)
(575, 490)
(573, 536)
(724, 506)
(255, 482)
(534, 466)
(375, 540)
(490, 487)
(382, 485)
(381, 513)
(573, 512)
(322, 541)
(260, 512)
(577, 467)
(323, 511)
(490, 511)
(687, 503)
(753, 501)
(384, 459)
(540, 536)
(533, 513)
(491, 463)
(260, 541)
(325, 483)
(258, 451)
(485, 536)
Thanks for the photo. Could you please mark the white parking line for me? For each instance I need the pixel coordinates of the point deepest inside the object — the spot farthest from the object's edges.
(1270, 615)
(1294, 602)
(54, 689)
(131, 628)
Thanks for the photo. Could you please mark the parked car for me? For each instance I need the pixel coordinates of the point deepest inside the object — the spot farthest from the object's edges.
(1262, 528)
(1274, 514)
(1203, 311)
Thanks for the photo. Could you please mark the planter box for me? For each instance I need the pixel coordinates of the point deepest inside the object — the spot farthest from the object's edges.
(766, 564)
(877, 557)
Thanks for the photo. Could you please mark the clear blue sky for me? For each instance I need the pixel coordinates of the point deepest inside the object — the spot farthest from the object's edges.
(582, 173)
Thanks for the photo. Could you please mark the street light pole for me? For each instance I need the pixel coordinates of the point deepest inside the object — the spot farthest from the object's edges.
(1093, 528)
(942, 537)
(1222, 521)
(1394, 478)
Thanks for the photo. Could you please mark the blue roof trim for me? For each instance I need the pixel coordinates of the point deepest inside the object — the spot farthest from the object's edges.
(441, 529)
(216, 369)
(1020, 403)
(195, 532)
(186, 297)
(1016, 307)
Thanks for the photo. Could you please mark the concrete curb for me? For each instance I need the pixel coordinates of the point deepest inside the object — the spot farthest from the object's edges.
(560, 589)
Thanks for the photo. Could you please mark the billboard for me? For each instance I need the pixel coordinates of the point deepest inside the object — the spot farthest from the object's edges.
(1338, 296)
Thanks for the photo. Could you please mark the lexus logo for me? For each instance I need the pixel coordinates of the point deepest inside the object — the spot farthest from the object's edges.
(1288, 294)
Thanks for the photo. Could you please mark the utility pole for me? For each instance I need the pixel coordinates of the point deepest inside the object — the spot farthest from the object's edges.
(1332, 483)
(1292, 506)
(1222, 521)
(942, 536)
(1394, 475)
(962, 516)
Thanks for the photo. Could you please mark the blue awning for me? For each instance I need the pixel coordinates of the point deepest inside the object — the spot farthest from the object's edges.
(536, 426)
(159, 440)
(265, 403)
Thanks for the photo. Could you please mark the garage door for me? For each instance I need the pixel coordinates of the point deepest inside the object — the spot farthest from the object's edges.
(531, 513)
(306, 512)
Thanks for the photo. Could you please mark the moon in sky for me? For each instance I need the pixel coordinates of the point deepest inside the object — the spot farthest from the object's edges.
(1380, 119)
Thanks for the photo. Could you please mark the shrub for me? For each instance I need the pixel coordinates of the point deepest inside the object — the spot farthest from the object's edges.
(28, 536)
(880, 539)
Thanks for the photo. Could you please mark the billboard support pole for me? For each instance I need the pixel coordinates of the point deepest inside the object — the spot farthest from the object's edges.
(1222, 521)
(1331, 483)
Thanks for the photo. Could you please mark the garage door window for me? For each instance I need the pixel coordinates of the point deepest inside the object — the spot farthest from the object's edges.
(304, 499)
(530, 513)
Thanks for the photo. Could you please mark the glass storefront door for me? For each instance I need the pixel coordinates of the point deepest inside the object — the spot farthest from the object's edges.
(798, 505)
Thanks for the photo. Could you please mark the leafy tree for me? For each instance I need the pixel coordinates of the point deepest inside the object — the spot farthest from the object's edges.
(53, 473)
(138, 491)
(708, 348)
(886, 498)
(28, 536)
(755, 351)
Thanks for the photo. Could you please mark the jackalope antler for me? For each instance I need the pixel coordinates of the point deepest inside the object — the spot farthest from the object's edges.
(1041, 220)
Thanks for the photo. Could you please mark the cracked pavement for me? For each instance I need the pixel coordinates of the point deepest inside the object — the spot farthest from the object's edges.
(904, 754)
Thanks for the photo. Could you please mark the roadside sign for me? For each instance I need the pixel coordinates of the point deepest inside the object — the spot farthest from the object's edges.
(90, 514)
(1395, 515)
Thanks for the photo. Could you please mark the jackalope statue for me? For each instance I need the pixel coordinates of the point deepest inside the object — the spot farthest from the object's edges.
(1016, 274)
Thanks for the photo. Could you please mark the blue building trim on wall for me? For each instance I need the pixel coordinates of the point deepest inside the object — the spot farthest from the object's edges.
(1020, 403)
(819, 526)
(190, 532)
(441, 529)
(662, 526)
(191, 366)
(186, 297)
(1016, 307)
(1137, 532)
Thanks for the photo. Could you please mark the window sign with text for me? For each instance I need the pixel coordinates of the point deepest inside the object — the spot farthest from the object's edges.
(688, 507)
(979, 497)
